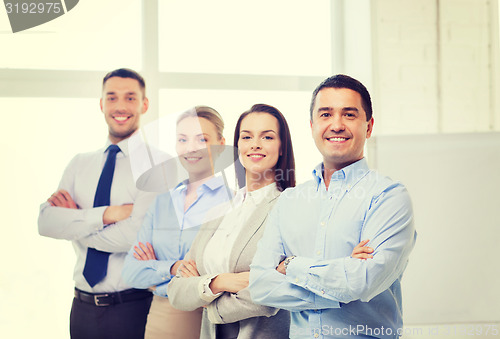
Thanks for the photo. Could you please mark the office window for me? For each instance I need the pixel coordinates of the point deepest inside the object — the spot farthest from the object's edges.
(38, 139)
(95, 35)
(258, 37)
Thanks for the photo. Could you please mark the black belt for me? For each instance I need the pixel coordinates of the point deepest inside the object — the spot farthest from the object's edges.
(108, 299)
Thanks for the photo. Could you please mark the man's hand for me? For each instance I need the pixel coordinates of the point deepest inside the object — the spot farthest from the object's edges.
(62, 198)
(144, 252)
(281, 267)
(116, 213)
(361, 251)
(229, 282)
(188, 269)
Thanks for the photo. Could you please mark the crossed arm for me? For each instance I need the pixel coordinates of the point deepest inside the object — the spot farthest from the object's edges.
(227, 297)
(111, 215)
(311, 283)
(107, 228)
(143, 269)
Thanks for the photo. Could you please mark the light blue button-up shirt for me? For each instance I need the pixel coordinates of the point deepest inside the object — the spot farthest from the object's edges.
(329, 293)
(171, 231)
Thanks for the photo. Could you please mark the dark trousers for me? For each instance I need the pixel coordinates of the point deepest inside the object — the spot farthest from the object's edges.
(227, 331)
(119, 321)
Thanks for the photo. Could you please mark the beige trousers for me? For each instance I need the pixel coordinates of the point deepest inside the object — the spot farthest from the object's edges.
(164, 321)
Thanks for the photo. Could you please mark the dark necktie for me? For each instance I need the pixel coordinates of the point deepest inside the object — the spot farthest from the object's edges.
(96, 264)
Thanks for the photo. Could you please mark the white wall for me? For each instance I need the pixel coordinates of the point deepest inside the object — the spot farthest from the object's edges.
(436, 71)
(434, 66)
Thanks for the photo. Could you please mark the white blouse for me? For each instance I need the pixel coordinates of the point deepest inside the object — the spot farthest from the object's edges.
(218, 249)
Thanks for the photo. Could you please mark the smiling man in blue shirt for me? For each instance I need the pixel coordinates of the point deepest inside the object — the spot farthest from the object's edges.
(303, 262)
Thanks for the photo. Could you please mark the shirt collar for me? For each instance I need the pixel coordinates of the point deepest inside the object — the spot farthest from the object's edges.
(350, 174)
(211, 184)
(258, 195)
(122, 144)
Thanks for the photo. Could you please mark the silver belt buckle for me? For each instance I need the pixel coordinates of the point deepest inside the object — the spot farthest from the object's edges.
(97, 302)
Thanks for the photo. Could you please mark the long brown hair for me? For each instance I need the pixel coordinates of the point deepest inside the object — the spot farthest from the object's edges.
(285, 167)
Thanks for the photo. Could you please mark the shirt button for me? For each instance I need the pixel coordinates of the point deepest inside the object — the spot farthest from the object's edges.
(316, 335)
(322, 291)
(296, 279)
(322, 223)
(318, 253)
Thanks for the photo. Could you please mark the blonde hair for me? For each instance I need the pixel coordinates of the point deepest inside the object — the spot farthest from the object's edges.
(208, 113)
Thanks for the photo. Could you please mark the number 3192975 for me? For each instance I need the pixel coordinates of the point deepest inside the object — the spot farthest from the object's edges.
(33, 8)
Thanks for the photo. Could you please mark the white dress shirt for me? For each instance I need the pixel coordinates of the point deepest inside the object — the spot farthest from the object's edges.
(84, 226)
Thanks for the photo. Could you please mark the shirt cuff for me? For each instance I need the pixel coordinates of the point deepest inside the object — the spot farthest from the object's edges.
(298, 269)
(213, 314)
(94, 215)
(323, 303)
(161, 290)
(163, 269)
(205, 292)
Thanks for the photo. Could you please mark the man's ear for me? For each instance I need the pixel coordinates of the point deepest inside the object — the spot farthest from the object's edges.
(370, 128)
(145, 105)
(100, 105)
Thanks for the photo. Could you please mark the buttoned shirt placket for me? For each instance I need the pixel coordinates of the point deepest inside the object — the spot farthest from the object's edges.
(329, 201)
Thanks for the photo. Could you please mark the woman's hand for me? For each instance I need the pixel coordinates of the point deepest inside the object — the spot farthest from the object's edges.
(144, 252)
(361, 251)
(188, 269)
(175, 266)
(229, 282)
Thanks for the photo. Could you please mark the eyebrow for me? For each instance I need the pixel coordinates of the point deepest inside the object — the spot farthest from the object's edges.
(204, 134)
(266, 131)
(128, 93)
(329, 109)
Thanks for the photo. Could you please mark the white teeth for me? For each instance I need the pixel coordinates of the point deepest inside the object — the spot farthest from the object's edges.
(256, 156)
(120, 118)
(336, 139)
(192, 159)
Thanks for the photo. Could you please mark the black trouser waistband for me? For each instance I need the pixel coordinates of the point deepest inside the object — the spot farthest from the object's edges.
(107, 299)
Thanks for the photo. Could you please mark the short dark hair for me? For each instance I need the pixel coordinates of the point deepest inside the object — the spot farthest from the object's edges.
(285, 167)
(345, 81)
(126, 73)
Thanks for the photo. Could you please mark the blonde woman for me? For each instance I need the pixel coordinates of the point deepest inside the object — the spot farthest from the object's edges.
(173, 221)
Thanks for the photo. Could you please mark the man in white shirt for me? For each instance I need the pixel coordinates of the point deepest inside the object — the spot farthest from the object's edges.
(98, 207)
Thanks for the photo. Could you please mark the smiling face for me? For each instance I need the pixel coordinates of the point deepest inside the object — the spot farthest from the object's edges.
(122, 103)
(259, 145)
(339, 127)
(194, 136)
